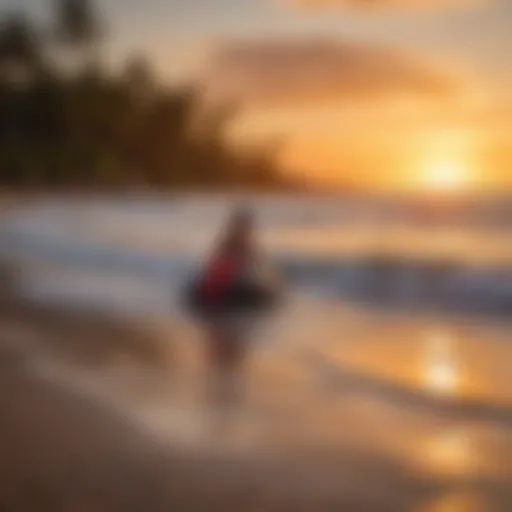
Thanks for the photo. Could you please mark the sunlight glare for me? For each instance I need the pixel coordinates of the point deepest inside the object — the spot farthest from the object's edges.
(441, 372)
(444, 163)
(446, 176)
(449, 453)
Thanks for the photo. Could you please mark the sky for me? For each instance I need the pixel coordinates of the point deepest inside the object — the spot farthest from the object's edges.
(383, 93)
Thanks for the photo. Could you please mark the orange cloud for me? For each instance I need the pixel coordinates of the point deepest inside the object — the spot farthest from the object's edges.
(381, 4)
(279, 73)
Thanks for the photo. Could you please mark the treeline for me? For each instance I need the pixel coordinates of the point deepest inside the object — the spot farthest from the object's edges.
(67, 121)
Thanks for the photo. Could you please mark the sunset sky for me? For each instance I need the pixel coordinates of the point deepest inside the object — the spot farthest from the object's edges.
(380, 93)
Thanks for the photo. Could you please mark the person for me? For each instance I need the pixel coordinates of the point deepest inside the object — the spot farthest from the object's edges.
(228, 329)
(228, 297)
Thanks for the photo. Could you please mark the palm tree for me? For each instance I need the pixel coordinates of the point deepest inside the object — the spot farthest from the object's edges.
(20, 55)
(78, 28)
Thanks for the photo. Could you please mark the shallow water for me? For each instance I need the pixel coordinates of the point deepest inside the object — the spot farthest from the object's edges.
(132, 255)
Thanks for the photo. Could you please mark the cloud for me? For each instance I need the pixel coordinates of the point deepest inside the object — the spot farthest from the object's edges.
(381, 4)
(280, 72)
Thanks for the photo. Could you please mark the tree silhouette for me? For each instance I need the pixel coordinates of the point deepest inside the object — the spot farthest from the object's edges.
(78, 28)
(20, 53)
(93, 128)
(77, 23)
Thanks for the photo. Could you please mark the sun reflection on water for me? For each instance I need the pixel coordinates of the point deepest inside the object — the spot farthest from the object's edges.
(449, 452)
(458, 501)
(441, 371)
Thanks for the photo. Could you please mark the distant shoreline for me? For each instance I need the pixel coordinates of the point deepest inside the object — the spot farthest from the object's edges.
(9, 193)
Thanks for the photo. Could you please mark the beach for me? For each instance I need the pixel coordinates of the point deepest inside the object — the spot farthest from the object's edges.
(347, 407)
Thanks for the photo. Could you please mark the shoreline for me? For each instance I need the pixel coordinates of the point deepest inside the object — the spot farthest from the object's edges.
(138, 191)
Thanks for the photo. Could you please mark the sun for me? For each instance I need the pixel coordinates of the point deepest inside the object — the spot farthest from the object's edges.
(442, 176)
(446, 176)
(444, 163)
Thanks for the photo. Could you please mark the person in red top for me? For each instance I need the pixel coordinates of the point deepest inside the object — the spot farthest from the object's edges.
(227, 331)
